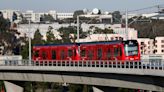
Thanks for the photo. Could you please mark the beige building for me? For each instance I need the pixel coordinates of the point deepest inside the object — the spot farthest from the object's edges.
(159, 45)
(150, 46)
(146, 45)
(8, 14)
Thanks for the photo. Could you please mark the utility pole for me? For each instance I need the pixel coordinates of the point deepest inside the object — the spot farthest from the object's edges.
(78, 28)
(78, 32)
(126, 25)
(29, 37)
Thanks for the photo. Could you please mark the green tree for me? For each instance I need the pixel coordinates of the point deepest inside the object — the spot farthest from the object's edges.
(103, 31)
(50, 36)
(4, 23)
(23, 19)
(8, 37)
(77, 12)
(38, 38)
(24, 48)
(65, 33)
(75, 88)
(47, 18)
(149, 29)
(116, 17)
(14, 17)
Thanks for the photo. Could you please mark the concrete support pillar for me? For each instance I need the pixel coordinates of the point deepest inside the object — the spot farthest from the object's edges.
(11, 87)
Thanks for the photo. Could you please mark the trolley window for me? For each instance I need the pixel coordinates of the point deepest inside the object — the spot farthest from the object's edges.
(108, 53)
(36, 53)
(62, 56)
(53, 54)
(99, 53)
(116, 52)
(83, 53)
(44, 55)
(90, 54)
(70, 53)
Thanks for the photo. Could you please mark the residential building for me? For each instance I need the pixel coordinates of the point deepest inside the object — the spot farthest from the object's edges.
(64, 15)
(159, 45)
(146, 45)
(33, 17)
(53, 13)
(8, 14)
(102, 37)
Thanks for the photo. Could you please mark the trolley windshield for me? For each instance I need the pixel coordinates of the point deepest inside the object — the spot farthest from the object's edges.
(131, 48)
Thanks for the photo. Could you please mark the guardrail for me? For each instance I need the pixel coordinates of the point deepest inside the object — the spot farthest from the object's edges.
(143, 64)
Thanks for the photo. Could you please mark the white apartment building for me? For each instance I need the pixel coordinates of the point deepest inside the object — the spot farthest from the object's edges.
(34, 17)
(64, 15)
(159, 45)
(53, 13)
(102, 37)
(146, 45)
(150, 46)
(130, 34)
(8, 14)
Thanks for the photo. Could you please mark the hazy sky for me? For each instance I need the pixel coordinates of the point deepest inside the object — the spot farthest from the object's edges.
(71, 5)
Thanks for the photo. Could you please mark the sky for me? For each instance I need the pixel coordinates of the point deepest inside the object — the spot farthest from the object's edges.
(72, 5)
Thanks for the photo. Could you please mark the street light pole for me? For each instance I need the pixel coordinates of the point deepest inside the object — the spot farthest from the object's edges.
(78, 28)
(29, 37)
(126, 25)
(78, 32)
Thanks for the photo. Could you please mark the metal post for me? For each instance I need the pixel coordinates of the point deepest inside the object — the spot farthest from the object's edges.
(29, 35)
(126, 25)
(78, 32)
(77, 28)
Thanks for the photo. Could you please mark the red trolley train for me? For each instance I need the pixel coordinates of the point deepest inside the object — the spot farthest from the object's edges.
(111, 50)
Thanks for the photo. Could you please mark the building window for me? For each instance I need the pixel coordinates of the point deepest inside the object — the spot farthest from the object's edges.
(148, 42)
(162, 41)
(149, 52)
(141, 52)
(162, 46)
(141, 48)
(156, 46)
(155, 41)
(142, 43)
(148, 47)
(155, 51)
(162, 50)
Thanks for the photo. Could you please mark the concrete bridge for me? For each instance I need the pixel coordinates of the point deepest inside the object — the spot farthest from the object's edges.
(126, 75)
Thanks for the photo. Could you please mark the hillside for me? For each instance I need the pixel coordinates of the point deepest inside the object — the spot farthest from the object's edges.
(149, 29)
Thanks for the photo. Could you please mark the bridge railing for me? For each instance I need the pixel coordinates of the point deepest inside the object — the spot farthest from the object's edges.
(143, 64)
